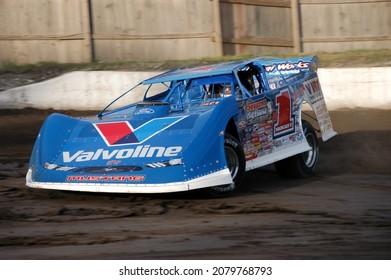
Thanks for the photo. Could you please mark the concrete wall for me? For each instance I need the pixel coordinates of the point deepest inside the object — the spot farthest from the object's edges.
(357, 87)
(76, 90)
(343, 88)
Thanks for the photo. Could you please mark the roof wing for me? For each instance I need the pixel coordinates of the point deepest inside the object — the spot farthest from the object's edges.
(270, 63)
(291, 65)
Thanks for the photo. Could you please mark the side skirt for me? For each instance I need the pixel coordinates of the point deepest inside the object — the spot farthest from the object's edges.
(276, 156)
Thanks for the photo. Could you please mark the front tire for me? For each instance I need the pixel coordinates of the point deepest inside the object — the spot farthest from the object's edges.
(302, 165)
(236, 164)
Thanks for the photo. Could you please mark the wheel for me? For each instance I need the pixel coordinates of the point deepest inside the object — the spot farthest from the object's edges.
(302, 165)
(236, 164)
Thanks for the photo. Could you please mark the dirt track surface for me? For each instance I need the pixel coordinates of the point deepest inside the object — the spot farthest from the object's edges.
(344, 212)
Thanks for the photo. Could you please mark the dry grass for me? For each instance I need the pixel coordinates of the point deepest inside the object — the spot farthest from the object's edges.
(356, 58)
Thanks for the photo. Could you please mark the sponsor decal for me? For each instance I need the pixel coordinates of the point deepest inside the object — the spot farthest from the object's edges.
(172, 162)
(118, 154)
(314, 90)
(53, 166)
(253, 106)
(242, 124)
(123, 133)
(113, 162)
(257, 111)
(286, 66)
(133, 178)
(144, 111)
(313, 86)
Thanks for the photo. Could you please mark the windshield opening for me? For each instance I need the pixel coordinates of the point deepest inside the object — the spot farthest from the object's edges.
(141, 92)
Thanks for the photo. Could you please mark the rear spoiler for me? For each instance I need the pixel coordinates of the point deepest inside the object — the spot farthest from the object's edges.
(291, 65)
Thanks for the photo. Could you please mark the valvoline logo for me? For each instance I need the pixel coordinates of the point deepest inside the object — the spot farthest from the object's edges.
(123, 133)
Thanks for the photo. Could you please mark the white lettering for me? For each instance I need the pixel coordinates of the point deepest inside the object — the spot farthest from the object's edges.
(108, 155)
(160, 151)
(97, 154)
(138, 152)
(86, 156)
(125, 153)
(283, 127)
(172, 151)
(68, 158)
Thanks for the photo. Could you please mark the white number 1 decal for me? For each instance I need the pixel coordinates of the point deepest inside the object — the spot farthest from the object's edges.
(284, 123)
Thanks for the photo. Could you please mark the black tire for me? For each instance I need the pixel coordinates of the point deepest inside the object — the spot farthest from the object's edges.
(302, 165)
(237, 165)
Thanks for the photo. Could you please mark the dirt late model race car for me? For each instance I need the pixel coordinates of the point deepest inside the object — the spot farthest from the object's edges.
(192, 128)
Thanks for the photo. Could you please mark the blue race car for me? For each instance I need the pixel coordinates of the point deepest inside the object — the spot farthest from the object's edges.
(189, 129)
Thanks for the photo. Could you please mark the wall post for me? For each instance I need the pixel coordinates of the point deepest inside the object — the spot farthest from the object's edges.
(218, 37)
(296, 25)
(87, 30)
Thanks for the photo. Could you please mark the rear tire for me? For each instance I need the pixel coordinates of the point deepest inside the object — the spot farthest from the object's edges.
(236, 164)
(302, 165)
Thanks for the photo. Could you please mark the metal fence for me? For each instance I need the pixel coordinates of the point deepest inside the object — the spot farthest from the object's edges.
(119, 30)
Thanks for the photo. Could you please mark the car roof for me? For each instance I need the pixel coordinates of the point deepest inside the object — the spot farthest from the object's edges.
(195, 72)
(214, 69)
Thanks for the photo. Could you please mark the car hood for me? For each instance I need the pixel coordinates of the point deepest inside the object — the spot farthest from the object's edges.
(92, 142)
(136, 138)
